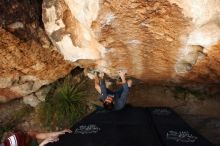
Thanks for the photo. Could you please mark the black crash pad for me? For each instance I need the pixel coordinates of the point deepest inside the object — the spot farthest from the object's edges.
(173, 130)
(132, 126)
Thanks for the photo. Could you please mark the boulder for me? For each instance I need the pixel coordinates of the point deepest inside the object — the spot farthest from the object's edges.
(166, 41)
(26, 66)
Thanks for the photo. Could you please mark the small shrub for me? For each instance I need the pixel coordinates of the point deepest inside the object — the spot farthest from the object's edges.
(64, 105)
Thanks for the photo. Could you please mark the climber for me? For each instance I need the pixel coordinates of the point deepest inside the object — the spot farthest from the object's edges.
(31, 138)
(113, 100)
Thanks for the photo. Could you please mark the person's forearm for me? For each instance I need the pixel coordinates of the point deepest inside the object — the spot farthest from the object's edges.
(48, 140)
(41, 136)
(103, 88)
(123, 80)
(125, 87)
(96, 80)
(51, 136)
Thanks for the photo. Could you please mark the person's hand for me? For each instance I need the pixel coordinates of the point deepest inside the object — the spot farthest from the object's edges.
(49, 140)
(101, 75)
(57, 134)
(122, 75)
(63, 132)
(66, 131)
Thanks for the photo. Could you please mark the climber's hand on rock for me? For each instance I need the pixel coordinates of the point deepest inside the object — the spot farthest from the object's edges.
(122, 75)
(101, 75)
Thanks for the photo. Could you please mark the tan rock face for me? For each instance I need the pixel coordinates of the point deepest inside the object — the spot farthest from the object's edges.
(69, 28)
(144, 34)
(25, 66)
(162, 41)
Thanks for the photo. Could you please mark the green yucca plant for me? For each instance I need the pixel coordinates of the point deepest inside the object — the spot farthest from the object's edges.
(65, 105)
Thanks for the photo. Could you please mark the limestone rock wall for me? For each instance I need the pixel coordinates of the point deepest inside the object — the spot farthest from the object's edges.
(69, 27)
(26, 66)
(160, 41)
(29, 62)
(156, 41)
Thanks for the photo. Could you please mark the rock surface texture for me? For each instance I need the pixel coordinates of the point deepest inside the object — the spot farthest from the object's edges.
(25, 66)
(28, 60)
(160, 41)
